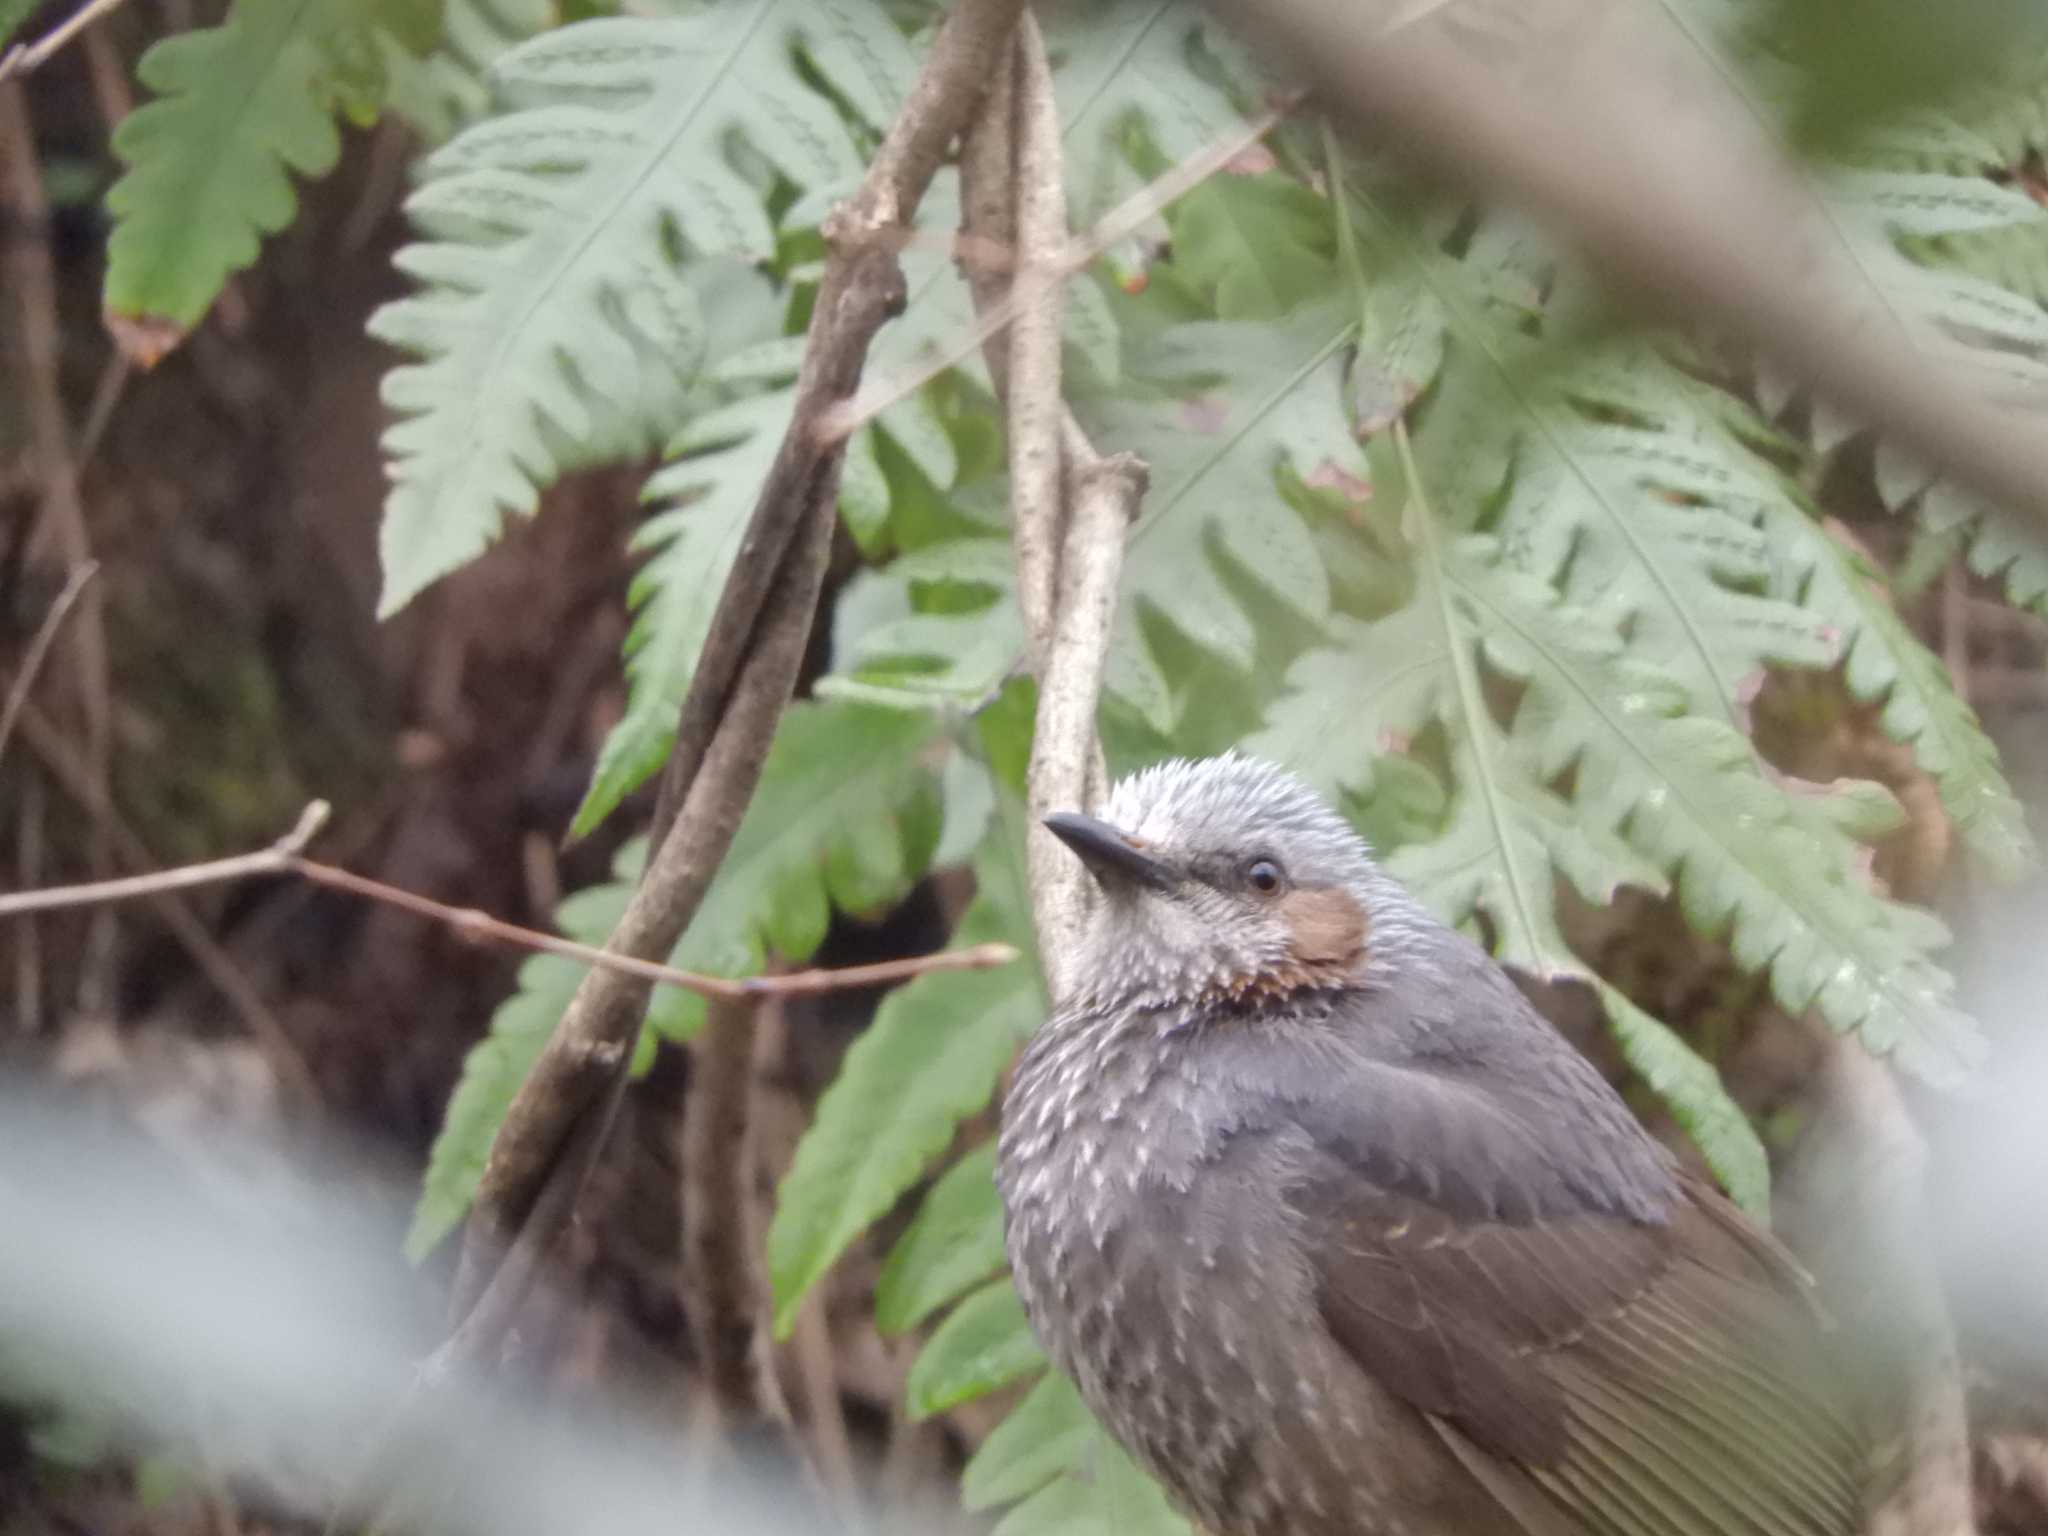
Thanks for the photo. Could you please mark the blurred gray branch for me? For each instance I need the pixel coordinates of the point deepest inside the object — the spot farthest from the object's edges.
(1603, 118)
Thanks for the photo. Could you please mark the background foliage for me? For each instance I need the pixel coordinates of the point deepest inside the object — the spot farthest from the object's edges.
(1503, 576)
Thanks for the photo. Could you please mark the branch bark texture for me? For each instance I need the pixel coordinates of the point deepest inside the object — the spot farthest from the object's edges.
(1070, 507)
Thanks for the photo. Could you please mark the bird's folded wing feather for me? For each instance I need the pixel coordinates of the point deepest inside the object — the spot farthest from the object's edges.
(1638, 1377)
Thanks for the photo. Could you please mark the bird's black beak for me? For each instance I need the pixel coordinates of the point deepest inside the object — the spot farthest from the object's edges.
(1107, 851)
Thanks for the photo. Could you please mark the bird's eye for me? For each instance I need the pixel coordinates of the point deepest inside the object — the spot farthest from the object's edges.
(1264, 875)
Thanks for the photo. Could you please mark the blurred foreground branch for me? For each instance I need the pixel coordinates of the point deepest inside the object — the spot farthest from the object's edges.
(1602, 120)
(1857, 1193)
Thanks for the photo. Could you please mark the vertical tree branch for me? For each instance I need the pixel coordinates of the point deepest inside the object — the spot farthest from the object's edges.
(1065, 754)
(721, 1290)
(1037, 500)
(1070, 508)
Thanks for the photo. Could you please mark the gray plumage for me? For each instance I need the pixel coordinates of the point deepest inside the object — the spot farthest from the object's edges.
(1336, 1235)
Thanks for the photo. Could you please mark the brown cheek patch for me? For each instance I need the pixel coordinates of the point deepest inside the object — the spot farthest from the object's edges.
(1328, 926)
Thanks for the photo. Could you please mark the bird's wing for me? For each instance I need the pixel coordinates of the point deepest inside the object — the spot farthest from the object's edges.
(1642, 1378)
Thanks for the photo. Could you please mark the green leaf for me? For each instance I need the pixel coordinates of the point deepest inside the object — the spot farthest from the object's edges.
(491, 1075)
(840, 777)
(1217, 459)
(1260, 245)
(559, 322)
(938, 623)
(449, 89)
(983, 1344)
(1605, 474)
(2001, 546)
(1778, 876)
(1698, 1100)
(930, 1059)
(955, 1242)
(1043, 1436)
(1063, 1473)
(1122, 64)
(1710, 434)
(240, 109)
(943, 619)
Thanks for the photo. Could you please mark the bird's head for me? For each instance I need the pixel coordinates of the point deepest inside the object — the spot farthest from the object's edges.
(1227, 879)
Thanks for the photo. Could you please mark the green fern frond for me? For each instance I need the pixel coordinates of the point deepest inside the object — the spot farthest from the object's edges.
(1995, 334)
(2010, 110)
(1600, 477)
(1216, 465)
(449, 89)
(984, 1344)
(933, 1054)
(940, 623)
(559, 321)
(1125, 64)
(706, 496)
(955, 1243)
(1693, 1091)
(1885, 664)
(845, 814)
(240, 110)
(1777, 874)
(1063, 1475)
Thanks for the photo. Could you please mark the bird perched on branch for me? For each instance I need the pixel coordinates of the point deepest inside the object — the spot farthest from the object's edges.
(1335, 1234)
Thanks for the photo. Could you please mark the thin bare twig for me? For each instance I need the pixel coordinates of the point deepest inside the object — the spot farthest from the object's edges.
(1705, 214)
(1123, 220)
(274, 860)
(286, 857)
(75, 778)
(749, 660)
(26, 58)
(39, 648)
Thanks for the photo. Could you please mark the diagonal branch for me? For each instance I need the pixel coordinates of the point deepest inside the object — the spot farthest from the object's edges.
(750, 659)
(39, 648)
